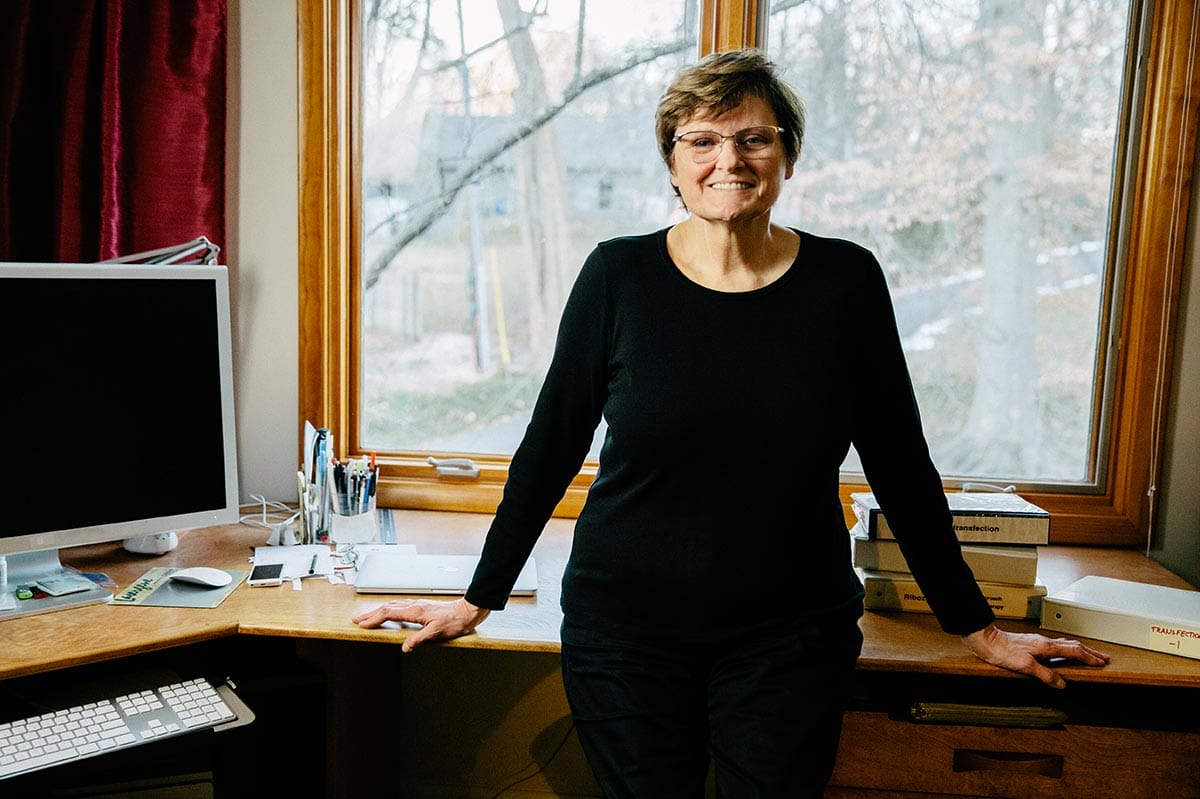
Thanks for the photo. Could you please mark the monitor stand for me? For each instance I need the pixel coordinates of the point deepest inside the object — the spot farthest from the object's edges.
(26, 568)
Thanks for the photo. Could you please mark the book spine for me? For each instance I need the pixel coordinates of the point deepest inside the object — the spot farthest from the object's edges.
(995, 564)
(983, 529)
(884, 592)
(882, 556)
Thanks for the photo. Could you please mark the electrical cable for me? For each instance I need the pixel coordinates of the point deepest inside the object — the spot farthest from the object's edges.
(538, 768)
(278, 513)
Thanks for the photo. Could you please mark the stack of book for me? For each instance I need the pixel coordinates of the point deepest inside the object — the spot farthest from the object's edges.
(1000, 534)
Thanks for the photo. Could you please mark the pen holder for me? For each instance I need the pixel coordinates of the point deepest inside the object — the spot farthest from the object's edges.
(356, 528)
(352, 501)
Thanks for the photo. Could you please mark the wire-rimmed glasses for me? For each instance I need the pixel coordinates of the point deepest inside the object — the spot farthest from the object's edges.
(703, 146)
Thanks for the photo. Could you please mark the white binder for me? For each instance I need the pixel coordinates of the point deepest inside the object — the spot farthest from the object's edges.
(1124, 612)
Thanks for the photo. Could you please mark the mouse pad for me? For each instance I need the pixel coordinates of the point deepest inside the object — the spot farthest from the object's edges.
(156, 589)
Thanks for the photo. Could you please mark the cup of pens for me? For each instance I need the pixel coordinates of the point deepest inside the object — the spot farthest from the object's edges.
(352, 497)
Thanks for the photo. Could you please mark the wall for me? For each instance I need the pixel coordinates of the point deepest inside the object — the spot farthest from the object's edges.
(262, 251)
(1177, 531)
(262, 247)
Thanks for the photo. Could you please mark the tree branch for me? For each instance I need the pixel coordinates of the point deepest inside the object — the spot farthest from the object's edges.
(443, 202)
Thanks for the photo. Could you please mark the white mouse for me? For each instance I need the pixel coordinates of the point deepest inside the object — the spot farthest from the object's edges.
(203, 575)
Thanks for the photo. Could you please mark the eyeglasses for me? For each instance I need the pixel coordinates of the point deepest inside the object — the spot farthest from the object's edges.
(751, 143)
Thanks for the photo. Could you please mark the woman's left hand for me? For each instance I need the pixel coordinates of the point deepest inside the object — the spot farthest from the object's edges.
(1023, 652)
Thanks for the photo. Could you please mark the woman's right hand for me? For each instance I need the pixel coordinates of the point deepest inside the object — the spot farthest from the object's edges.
(438, 619)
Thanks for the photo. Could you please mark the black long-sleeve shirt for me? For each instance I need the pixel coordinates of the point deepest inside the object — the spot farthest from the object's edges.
(729, 414)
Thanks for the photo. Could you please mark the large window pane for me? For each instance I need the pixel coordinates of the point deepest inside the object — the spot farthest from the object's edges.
(501, 141)
(971, 146)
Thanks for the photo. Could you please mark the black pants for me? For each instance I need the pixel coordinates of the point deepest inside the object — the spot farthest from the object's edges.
(767, 709)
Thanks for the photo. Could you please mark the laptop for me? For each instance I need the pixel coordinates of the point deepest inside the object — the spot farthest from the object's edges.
(397, 573)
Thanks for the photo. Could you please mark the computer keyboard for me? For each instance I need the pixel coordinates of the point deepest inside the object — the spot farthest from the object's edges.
(107, 725)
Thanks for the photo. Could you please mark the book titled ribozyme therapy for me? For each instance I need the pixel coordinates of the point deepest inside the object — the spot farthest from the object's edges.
(899, 591)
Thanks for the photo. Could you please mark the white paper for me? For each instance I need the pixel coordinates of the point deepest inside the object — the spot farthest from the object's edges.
(308, 560)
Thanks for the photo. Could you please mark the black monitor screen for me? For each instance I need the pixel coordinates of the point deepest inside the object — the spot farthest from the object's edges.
(112, 403)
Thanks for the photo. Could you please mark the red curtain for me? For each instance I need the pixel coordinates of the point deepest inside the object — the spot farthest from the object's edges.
(112, 126)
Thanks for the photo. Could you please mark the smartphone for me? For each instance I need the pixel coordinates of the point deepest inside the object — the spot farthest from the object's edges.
(266, 574)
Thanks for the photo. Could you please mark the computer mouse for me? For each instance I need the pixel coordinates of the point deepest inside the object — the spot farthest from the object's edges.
(203, 575)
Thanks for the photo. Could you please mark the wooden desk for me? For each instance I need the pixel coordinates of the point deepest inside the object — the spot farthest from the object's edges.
(898, 647)
(894, 641)
(321, 610)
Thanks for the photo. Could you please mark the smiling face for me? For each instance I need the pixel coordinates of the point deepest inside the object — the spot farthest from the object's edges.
(730, 188)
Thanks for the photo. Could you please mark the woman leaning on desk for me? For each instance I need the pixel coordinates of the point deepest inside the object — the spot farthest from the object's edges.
(710, 607)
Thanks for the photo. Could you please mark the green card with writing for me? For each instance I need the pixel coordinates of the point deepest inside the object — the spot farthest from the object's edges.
(155, 588)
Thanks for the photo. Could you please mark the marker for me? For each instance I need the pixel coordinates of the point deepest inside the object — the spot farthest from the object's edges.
(312, 567)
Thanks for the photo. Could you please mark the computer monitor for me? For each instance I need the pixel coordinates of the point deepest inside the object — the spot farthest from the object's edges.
(116, 411)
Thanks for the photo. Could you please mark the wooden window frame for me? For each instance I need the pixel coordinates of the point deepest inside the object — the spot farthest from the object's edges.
(1118, 513)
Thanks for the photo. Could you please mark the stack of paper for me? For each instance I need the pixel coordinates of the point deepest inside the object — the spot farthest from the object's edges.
(307, 560)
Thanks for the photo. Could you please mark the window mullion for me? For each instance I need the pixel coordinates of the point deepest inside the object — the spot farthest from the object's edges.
(731, 24)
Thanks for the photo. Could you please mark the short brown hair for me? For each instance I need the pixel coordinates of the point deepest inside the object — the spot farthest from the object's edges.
(719, 83)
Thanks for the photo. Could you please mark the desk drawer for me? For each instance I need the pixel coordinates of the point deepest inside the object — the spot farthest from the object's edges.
(880, 753)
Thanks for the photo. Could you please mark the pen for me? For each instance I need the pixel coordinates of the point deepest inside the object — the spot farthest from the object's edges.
(312, 567)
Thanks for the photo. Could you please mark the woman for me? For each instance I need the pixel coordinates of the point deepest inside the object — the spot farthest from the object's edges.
(710, 606)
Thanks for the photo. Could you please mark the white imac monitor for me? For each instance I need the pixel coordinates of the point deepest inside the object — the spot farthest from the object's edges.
(116, 413)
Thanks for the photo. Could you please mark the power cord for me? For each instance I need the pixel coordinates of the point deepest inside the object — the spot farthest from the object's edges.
(537, 769)
(271, 514)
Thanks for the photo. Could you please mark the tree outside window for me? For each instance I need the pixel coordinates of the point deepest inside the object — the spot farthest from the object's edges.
(970, 145)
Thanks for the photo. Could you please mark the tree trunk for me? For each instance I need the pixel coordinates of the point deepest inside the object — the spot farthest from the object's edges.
(1004, 431)
(541, 191)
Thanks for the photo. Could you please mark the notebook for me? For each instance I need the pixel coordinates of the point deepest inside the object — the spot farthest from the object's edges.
(397, 573)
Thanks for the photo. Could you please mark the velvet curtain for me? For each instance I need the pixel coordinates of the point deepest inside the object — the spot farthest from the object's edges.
(112, 126)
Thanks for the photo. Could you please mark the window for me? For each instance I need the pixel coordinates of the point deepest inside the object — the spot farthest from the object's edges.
(500, 142)
(972, 148)
(1100, 483)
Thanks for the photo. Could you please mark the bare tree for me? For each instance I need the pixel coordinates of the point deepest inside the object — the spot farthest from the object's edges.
(1003, 430)
(541, 189)
(437, 205)
(974, 146)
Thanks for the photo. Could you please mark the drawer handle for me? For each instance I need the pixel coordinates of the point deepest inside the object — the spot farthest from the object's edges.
(1023, 762)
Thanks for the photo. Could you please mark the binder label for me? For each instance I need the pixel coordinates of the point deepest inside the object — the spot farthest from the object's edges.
(1175, 640)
